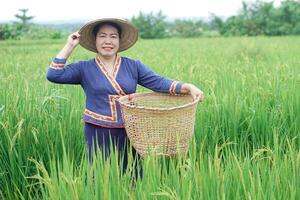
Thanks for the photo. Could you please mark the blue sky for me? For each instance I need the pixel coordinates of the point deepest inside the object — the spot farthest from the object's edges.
(65, 10)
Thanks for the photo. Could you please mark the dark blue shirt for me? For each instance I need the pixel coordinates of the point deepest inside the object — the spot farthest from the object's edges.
(102, 89)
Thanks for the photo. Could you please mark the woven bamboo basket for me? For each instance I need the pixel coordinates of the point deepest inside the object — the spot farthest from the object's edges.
(159, 123)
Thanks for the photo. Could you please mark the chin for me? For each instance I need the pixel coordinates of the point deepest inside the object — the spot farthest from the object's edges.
(110, 54)
(105, 53)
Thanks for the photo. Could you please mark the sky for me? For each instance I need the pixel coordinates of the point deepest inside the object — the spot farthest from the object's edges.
(66, 10)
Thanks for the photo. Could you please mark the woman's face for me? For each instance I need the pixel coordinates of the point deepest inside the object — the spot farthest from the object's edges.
(107, 41)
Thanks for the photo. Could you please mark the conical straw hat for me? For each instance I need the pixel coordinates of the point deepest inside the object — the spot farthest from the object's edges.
(128, 37)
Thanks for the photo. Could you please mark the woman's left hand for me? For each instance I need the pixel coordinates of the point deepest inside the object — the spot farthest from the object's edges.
(193, 90)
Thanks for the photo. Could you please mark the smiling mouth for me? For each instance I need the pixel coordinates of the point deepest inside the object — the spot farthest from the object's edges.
(107, 48)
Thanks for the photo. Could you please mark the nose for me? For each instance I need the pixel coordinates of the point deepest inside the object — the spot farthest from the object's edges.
(107, 40)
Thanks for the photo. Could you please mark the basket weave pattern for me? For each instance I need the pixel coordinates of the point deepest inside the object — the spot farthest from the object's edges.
(159, 123)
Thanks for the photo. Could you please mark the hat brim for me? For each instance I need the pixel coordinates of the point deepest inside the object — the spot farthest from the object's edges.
(128, 37)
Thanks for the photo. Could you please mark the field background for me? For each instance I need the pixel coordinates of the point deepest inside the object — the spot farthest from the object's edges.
(246, 141)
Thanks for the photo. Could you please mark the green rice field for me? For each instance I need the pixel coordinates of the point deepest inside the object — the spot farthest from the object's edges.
(246, 143)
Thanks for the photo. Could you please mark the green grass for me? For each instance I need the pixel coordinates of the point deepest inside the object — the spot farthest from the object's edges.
(246, 141)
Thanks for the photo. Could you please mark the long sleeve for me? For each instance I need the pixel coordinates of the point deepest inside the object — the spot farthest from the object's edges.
(150, 80)
(59, 73)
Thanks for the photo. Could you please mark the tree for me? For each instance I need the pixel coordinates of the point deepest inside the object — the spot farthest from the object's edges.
(24, 18)
(233, 26)
(150, 25)
(215, 23)
(187, 28)
(262, 18)
(289, 17)
(10, 31)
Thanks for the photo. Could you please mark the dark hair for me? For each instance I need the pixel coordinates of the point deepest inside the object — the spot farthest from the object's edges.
(116, 26)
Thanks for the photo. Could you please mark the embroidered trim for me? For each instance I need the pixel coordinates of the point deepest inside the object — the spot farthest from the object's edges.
(101, 125)
(116, 67)
(172, 89)
(54, 65)
(112, 79)
(113, 108)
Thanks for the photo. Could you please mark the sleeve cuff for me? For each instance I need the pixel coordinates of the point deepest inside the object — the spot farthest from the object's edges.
(178, 88)
(175, 87)
(60, 60)
(58, 63)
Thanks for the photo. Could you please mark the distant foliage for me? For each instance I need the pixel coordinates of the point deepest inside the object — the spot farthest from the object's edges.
(10, 31)
(39, 32)
(262, 18)
(255, 18)
(150, 25)
(24, 29)
(187, 28)
(15, 31)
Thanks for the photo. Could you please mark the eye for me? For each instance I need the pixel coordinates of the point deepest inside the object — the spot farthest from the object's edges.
(114, 36)
(101, 35)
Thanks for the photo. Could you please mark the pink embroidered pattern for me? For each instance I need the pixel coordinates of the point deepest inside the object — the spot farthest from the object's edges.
(112, 79)
(172, 89)
(54, 65)
(113, 108)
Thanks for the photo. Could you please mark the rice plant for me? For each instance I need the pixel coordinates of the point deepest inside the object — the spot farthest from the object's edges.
(246, 140)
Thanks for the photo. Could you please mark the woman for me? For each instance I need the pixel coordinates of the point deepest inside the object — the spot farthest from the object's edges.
(107, 77)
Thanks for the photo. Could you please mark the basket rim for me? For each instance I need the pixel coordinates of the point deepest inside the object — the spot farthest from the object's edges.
(158, 94)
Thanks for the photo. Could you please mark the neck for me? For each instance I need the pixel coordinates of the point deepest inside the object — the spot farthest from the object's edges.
(107, 59)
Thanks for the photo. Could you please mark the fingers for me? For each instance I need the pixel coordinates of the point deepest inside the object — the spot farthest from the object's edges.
(75, 35)
(198, 96)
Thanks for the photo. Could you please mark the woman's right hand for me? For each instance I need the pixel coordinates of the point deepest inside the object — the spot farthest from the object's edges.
(73, 39)
(72, 42)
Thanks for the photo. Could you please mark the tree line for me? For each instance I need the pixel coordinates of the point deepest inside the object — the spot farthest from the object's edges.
(255, 18)
(24, 28)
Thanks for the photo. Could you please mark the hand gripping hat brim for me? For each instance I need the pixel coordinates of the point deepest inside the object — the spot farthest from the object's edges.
(128, 37)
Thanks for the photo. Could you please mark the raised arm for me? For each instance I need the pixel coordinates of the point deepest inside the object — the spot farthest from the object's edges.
(72, 42)
(57, 72)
